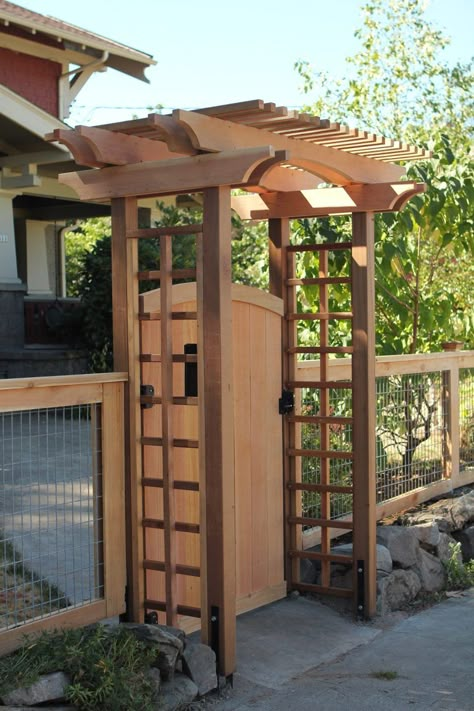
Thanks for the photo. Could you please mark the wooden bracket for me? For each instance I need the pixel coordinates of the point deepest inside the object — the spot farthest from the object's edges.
(179, 175)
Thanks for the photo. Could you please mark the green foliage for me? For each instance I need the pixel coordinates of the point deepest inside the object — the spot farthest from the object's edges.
(77, 242)
(460, 576)
(107, 667)
(398, 84)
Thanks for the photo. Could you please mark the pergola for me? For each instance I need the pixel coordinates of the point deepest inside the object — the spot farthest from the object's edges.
(291, 165)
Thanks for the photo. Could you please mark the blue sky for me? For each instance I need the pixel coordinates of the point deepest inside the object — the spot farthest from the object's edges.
(211, 52)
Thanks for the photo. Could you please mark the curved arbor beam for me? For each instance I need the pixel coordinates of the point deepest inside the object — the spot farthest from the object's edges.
(179, 175)
(380, 197)
(332, 165)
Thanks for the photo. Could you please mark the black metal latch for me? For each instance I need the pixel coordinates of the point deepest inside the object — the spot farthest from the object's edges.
(147, 391)
(286, 403)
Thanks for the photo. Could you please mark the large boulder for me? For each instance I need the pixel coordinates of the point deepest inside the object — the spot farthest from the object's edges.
(396, 590)
(199, 663)
(49, 687)
(428, 534)
(401, 542)
(168, 640)
(449, 514)
(176, 693)
(462, 512)
(431, 572)
(384, 559)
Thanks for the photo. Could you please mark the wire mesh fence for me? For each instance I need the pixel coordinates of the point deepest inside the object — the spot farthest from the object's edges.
(466, 418)
(51, 511)
(411, 427)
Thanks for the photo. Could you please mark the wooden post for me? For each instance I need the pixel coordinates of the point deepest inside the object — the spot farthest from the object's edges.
(126, 340)
(216, 431)
(450, 405)
(363, 378)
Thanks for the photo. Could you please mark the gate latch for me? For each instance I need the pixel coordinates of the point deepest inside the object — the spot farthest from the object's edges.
(286, 403)
(147, 391)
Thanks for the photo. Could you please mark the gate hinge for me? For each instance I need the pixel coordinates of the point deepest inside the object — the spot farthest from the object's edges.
(286, 403)
(147, 391)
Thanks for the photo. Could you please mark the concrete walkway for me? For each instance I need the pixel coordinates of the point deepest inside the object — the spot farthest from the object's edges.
(301, 655)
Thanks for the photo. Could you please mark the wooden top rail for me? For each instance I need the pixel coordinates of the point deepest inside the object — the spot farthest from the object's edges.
(19, 394)
(62, 380)
(340, 368)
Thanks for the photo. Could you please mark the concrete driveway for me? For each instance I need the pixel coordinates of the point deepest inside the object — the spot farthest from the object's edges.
(299, 654)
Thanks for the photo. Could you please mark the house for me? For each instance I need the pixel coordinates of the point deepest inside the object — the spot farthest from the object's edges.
(44, 63)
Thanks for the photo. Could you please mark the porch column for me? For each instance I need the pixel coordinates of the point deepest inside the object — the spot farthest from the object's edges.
(8, 265)
(216, 431)
(41, 262)
(126, 344)
(363, 433)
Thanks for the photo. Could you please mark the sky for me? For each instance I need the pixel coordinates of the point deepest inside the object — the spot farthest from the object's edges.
(212, 52)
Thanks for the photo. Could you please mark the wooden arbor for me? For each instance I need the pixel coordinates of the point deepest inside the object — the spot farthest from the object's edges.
(280, 158)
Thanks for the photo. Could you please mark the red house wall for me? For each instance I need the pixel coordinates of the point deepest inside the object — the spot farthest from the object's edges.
(33, 78)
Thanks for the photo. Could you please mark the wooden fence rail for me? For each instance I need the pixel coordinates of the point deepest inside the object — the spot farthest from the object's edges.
(452, 370)
(52, 425)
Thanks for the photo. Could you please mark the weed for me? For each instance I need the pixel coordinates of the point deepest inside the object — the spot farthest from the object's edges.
(385, 674)
(459, 575)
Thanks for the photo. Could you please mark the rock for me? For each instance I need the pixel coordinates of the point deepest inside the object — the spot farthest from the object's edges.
(462, 511)
(444, 548)
(199, 663)
(431, 572)
(449, 514)
(466, 539)
(308, 571)
(396, 589)
(427, 533)
(176, 693)
(49, 687)
(154, 676)
(402, 544)
(342, 579)
(384, 559)
(168, 640)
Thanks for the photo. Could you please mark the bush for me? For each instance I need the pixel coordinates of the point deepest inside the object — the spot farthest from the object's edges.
(107, 667)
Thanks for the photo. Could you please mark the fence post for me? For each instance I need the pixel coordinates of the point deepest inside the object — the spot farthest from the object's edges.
(363, 406)
(126, 358)
(216, 431)
(450, 400)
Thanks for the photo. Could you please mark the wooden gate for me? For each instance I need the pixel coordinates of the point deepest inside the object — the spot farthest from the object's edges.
(170, 444)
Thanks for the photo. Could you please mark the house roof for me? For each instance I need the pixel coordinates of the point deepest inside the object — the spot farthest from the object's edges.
(72, 40)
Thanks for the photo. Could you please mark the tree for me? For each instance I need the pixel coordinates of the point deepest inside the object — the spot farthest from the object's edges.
(398, 84)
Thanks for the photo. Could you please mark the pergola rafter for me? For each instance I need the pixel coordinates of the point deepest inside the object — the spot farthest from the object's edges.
(279, 157)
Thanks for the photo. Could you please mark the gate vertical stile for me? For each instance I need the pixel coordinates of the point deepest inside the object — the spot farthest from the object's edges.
(325, 476)
(166, 308)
